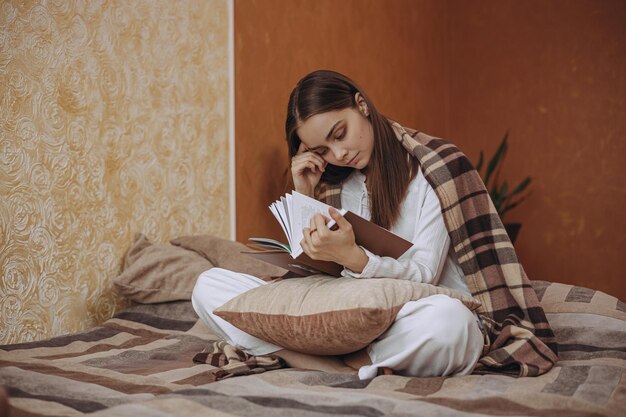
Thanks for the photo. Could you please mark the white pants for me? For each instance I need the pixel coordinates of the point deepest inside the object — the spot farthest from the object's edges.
(434, 336)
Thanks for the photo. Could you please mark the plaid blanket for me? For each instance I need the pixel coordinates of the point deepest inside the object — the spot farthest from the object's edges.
(519, 338)
(140, 364)
(230, 361)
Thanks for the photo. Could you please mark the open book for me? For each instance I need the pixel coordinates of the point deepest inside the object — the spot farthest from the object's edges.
(294, 212)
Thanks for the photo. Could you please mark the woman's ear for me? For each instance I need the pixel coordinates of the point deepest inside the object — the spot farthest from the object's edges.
(360, 102)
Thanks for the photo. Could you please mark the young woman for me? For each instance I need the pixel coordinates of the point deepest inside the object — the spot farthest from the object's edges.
(335, 134)
(337, 139)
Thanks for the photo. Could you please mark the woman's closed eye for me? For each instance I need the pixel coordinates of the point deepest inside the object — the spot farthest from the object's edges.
(341, 134)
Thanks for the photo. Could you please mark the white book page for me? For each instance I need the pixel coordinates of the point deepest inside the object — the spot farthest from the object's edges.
(302, 210)
(283, 202)
(278, 212)
(288, 208)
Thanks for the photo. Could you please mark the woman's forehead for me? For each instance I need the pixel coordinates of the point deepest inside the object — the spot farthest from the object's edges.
(316, 128)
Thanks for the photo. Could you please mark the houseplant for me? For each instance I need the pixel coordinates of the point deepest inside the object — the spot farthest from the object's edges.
(504, 197)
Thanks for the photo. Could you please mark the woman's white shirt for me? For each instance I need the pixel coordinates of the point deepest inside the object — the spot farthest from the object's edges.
(429, 260)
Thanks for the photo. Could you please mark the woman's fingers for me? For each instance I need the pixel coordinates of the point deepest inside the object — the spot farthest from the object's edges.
(307, 244)
(320, 242)
(306, 171)
(300, 167)
(301, 149)
(316, 233)
(306, 153)
(318, 222)
(309, 157)
(339, 219)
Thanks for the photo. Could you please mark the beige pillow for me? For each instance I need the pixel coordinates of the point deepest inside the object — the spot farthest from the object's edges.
(322, 315)
(159, 273)
(224, 253)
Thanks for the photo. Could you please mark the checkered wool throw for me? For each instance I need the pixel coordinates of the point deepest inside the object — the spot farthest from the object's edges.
(518, 337)
(230, 361)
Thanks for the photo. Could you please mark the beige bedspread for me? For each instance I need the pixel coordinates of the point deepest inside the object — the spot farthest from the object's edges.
(140, 364)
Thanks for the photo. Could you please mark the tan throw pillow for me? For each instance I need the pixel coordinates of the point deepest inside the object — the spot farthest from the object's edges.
(322, 315)
(159, 273)
(224, 253)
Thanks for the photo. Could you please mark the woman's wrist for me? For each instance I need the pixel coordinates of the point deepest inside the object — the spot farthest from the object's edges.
(356, 259)
(308, 191)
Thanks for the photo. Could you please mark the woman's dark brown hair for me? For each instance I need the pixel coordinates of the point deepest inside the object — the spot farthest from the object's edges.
(389, 171)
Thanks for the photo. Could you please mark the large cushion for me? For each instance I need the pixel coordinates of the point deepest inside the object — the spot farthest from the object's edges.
(224, 253)
(155, 273)
(323, 315)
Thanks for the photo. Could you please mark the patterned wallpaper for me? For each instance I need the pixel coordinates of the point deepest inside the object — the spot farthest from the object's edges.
(113, 120)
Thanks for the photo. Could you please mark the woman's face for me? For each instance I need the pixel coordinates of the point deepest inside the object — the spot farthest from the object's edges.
(342, 137)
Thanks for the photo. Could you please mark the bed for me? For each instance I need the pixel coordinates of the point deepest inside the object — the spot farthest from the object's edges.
(144, 362)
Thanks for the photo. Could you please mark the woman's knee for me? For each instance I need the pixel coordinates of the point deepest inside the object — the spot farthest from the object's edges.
(216, 286)
(455, 336)
(435, 336)
(203, 286)
(450, 323)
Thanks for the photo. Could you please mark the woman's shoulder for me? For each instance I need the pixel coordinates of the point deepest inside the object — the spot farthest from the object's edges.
(434, 143)
(416, 136)
(424, 137)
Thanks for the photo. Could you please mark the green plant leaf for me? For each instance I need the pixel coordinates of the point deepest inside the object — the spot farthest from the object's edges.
(500, 193)
(513, 204)
(497, 157)
(503, 189)
(500, 196)
(522, 186)
(479, 165)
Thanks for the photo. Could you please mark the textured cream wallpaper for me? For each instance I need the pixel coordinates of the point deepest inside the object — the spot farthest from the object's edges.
(113, 120)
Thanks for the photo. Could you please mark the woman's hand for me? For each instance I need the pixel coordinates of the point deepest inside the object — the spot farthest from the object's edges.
(306, 169)
(338, 245)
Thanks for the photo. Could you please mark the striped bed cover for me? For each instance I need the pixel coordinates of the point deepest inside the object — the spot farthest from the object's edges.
(139, 363)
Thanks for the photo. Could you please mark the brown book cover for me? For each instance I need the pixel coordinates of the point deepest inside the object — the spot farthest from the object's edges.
(302, 265)
(374, 238)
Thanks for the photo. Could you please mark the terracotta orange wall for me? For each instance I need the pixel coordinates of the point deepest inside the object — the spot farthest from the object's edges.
(551, 72)
(277, 42)
(554, 73)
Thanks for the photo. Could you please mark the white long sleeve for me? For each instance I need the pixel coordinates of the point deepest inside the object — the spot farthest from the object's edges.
(421, 223)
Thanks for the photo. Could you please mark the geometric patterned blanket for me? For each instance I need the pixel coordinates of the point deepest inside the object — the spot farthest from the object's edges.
(140, 363)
